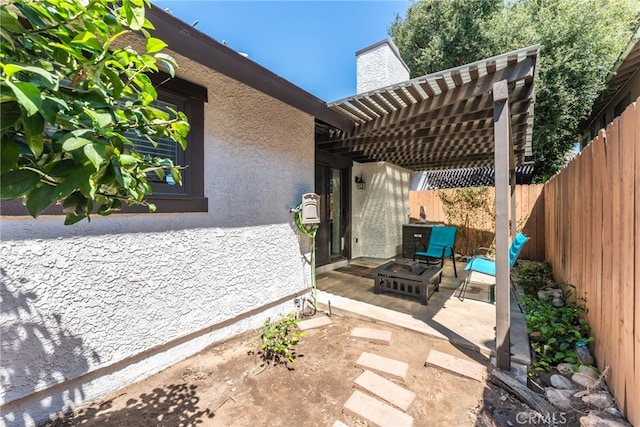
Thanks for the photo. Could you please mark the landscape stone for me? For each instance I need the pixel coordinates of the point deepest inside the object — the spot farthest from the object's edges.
(560, 381)
(614, 411)
(565, 368)
(586, 376)
(584, 355)
(561, 399)
(601, 420)
(599, 400)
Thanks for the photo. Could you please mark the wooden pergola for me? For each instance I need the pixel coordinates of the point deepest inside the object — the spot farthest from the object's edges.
(476, 115)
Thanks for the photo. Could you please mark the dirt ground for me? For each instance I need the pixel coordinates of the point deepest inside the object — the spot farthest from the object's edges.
(229, 385)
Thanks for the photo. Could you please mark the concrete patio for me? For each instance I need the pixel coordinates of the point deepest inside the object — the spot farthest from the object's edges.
(468, 324)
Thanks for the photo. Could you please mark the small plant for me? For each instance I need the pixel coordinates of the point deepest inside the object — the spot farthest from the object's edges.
(533, 276)
(555, 331)
(278, 338)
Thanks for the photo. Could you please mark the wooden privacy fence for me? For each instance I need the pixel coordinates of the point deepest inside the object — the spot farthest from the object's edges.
(529, 210)
(592, 240)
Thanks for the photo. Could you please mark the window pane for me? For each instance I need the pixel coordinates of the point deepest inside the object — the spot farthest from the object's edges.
(166, 148)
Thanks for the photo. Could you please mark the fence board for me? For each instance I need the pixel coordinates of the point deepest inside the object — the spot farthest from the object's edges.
(613, 158)
(596, 311)
(628, 132)
(592, 233)
(634, 409)
(592, 212)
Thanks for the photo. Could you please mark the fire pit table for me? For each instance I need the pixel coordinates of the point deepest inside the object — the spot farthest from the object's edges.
(407, 278)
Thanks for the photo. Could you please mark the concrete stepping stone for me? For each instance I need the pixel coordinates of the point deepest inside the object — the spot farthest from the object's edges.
(384, 366)
(375, 412)
(373, 335)
(455, 364)
(316, 322)
(398, 396)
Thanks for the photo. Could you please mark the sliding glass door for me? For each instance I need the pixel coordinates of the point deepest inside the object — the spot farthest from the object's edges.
(331, 241)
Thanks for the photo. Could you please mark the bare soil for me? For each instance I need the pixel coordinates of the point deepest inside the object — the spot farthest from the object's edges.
(229, 384)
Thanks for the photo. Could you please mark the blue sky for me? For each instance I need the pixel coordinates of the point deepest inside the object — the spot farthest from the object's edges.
(310, 43)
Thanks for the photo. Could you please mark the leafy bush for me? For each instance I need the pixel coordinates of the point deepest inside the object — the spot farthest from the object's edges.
(278, 337)
(555, 331)
(533, 276)
(75, 95)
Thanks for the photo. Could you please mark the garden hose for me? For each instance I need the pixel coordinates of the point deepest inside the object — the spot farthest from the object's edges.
(310, 231)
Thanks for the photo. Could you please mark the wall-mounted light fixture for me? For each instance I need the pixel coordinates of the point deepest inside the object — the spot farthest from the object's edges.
(360, 182)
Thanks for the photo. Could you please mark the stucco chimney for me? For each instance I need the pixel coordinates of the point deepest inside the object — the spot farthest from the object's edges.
(379, 65)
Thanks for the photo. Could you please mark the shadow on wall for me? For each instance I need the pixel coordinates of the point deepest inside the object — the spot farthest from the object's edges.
(38, 355)
(172, 405)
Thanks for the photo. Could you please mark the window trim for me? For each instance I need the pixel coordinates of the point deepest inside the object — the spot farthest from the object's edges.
(192, 198)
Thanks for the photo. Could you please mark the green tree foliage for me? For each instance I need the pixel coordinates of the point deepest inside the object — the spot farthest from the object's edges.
(580, 42)
(441, 34)
(73, 91)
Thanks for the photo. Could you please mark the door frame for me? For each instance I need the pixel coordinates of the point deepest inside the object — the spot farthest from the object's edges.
(337, 162)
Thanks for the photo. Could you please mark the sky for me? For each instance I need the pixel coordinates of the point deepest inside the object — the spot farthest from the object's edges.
(312, 44)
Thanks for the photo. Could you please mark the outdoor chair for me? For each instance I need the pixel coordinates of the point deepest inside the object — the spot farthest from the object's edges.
(441, 245)
(481, 263)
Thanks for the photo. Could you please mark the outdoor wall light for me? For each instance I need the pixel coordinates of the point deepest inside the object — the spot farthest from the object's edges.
(359, 182)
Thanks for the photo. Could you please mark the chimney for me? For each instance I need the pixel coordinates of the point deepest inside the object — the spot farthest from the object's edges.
(379, 65)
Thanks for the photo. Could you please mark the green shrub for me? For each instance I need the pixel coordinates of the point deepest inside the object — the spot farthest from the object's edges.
(278, 338)
(555, 331)
(533, 276)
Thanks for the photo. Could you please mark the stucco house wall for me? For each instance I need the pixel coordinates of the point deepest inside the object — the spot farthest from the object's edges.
(379, 210)
(89, 308)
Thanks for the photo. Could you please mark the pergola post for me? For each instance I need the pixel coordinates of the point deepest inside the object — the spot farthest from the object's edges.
(513, 218)
(504, 161)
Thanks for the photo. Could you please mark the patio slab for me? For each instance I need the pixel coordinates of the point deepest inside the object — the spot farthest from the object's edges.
(372, 335)
(467, 324)
(375, 411)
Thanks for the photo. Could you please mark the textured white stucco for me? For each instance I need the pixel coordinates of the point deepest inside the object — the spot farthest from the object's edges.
(89, 308)
(379, 67)
(380, 210)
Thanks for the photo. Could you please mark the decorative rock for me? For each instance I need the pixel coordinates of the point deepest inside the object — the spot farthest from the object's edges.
(543, 295)
(565, 368)
(557, 293)
(614, 411)
(599, 420)
(559, 381)
(599, 400)
(584, 355)
(557, 302)
(561, 399)
(585, 376)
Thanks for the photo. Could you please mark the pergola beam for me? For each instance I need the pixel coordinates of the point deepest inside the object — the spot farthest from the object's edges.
(458, 94)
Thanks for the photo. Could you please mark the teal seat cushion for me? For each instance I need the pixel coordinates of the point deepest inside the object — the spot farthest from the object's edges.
(482, 265)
